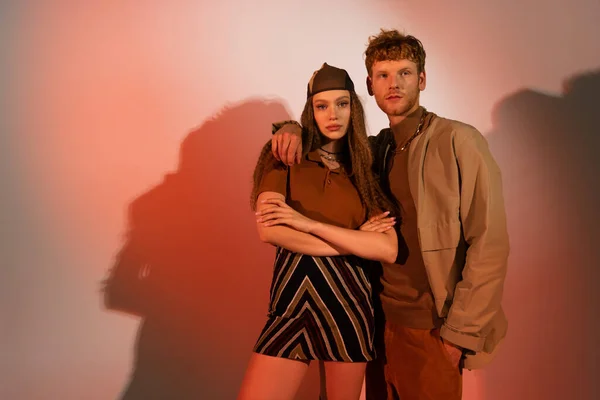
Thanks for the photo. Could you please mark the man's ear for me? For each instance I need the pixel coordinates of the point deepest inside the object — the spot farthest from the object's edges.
(422, 81)
(370, 86)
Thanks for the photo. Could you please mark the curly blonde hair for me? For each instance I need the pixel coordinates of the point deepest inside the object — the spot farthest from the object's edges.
(393, 45)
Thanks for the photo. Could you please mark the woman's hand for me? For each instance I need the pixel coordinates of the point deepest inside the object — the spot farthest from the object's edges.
(279, 213)
(379, 223)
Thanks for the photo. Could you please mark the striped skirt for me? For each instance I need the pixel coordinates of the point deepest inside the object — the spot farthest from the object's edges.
(321, 308)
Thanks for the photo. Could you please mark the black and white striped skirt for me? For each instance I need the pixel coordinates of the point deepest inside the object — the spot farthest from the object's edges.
(321, 308)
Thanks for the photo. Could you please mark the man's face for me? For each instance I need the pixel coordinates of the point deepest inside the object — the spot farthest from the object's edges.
(396, 86)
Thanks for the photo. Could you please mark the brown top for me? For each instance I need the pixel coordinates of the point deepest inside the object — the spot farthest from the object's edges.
(317, 192)
(406, 297)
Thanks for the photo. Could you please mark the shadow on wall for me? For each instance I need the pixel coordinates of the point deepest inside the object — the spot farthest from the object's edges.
(547, 149)
(192, 267)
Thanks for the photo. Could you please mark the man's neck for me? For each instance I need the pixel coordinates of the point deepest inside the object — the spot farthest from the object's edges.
(407, 127)
(397, 119)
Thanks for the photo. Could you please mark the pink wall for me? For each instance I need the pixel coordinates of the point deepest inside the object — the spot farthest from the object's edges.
(105, 118)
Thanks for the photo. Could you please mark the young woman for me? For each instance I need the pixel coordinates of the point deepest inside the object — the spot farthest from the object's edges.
(314, 212)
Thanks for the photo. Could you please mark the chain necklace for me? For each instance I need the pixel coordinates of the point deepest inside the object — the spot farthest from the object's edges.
(328, 155)
(417, 132)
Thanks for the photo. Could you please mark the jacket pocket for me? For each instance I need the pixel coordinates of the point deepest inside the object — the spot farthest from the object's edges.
(440, 236)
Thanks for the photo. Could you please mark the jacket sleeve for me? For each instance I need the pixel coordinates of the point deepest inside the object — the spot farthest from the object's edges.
(478, 295)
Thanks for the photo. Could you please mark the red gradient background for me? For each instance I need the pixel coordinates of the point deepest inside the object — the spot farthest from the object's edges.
(148, 116)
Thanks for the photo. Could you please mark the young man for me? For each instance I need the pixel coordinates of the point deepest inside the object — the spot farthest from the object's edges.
(441, 298)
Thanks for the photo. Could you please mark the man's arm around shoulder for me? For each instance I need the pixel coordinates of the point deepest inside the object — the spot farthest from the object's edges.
(286, 143)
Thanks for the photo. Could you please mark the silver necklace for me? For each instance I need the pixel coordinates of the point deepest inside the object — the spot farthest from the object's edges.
(328, 155)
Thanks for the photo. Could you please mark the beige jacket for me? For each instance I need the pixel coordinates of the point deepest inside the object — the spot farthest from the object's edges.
(457, 189)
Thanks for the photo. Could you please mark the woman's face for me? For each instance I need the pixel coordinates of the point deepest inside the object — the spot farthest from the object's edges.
(332, 113)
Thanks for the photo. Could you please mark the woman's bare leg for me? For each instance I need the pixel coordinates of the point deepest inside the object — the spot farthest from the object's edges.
(344, 380)
(272, 378)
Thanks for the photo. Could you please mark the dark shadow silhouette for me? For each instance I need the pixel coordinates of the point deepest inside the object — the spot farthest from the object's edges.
(546, 147)
(192, 266)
